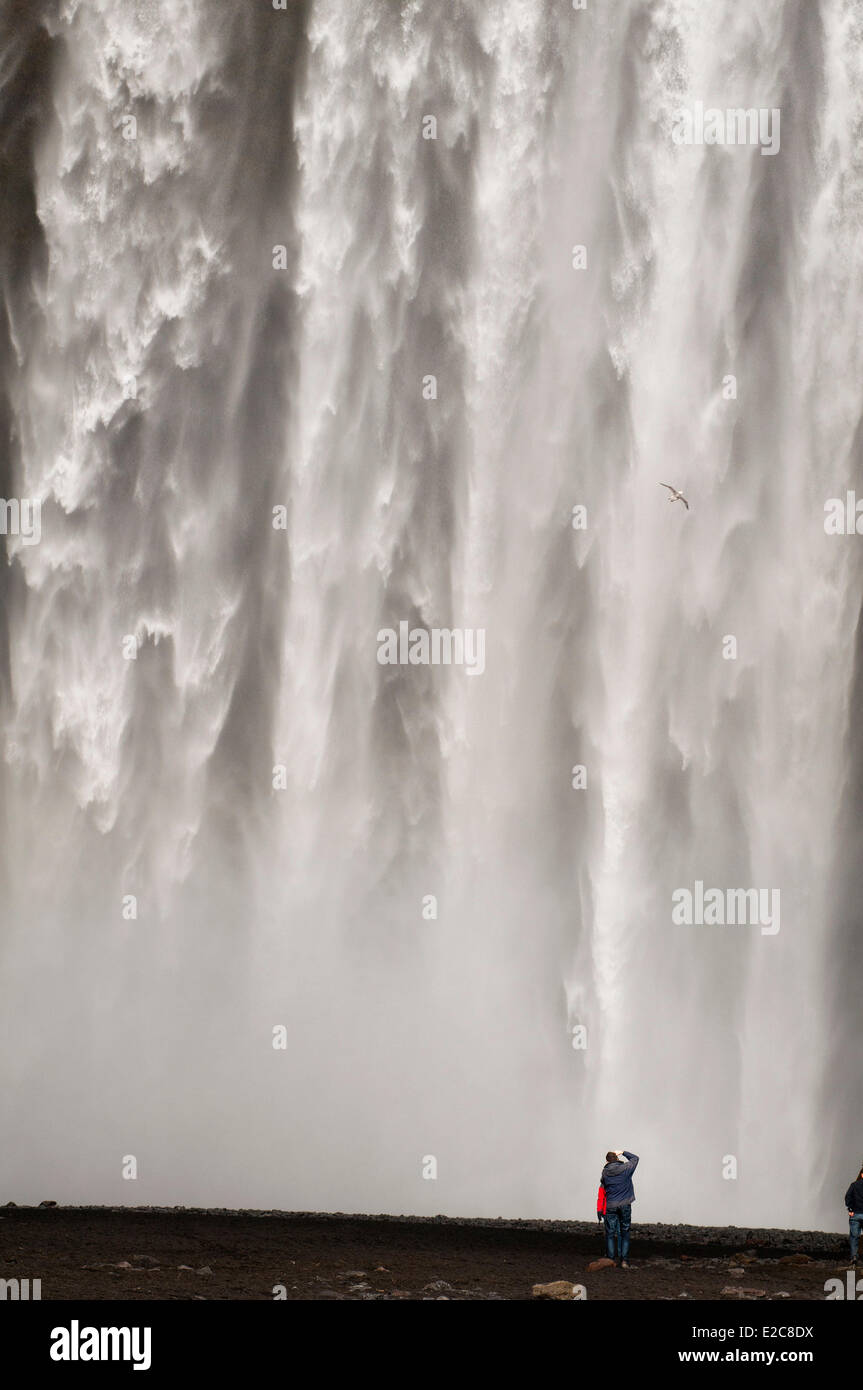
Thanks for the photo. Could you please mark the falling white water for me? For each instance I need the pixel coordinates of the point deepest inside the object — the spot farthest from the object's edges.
(167, 387)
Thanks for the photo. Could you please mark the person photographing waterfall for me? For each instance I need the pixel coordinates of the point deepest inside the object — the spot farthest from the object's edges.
(854, 1203)
(615, 1206)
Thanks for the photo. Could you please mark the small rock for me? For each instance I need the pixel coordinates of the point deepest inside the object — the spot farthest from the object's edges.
(742, 1259)
(797, 1259)
(442, 1298)
(783, 1294)
(145, 1262)
(358, 1288)
(381, 1269)
(11, 1204)
(558, 1289)
(736, 1273)
(188, 1268)
(604, 1263)
(205, 1269)
(122, 1264)
(355, 1274)
(437, 1286)
(47, 1204)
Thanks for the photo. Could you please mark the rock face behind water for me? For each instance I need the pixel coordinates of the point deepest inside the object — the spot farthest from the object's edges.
(559, 1289)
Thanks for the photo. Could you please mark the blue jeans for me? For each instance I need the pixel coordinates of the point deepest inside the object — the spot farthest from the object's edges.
(854, 1223)
(617, 1224)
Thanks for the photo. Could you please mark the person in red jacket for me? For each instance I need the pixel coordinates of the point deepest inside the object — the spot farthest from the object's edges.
(614, 1204)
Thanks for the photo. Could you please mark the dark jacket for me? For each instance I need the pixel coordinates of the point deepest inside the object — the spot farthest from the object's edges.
(854, 1197)
(617, 1181)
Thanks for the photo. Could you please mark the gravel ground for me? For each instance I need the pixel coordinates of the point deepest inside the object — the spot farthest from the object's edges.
(180, 1253)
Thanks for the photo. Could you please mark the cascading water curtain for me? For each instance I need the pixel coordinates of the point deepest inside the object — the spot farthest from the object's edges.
(406, 795)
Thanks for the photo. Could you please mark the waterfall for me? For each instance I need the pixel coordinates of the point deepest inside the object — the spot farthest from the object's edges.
(327, 319)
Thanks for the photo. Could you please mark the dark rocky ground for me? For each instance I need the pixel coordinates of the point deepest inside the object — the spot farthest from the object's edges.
(179, 1253)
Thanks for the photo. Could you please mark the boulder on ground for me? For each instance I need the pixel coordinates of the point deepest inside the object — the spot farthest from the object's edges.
(604, 1263)
(558, 1288)
(797, 1259)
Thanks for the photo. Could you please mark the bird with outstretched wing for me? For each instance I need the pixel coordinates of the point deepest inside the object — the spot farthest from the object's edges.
(676, 495)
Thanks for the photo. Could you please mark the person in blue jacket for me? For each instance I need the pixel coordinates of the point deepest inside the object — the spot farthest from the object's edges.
(620, 1165)
(854, 1203)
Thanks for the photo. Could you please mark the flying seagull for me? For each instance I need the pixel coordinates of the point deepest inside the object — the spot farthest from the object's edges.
(676, 496)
